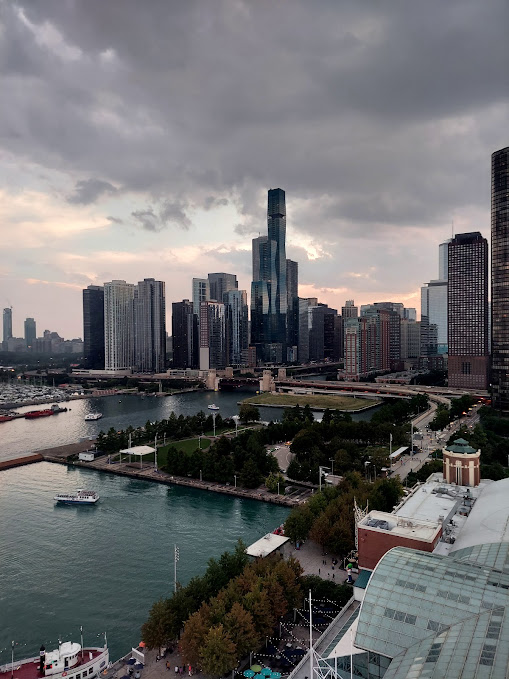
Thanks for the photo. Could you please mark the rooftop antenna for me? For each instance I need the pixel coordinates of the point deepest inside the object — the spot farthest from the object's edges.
(452, 228)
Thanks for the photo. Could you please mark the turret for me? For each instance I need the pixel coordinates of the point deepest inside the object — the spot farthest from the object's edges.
(42, 659)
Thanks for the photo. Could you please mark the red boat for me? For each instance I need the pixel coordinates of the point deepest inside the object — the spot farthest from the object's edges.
(39, 413)
(6, 418)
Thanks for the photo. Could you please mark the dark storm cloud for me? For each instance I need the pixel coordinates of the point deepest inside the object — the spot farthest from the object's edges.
(89, 190)
(375, 113)
(115, 220)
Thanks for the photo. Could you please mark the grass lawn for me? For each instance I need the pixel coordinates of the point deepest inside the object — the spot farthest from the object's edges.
(314, 400)
(187, 447)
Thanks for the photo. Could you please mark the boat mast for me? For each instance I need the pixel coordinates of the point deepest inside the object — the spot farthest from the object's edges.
(81, 635)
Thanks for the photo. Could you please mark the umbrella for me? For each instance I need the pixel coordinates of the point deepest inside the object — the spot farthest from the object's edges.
(256, 668)
(266, 671)
(249, 674)
(142, 644)
(275, 675)
(131, 661)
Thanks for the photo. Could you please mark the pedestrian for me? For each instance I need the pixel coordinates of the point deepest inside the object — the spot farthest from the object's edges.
(190, 671)
(176, 669)
(167, 664)
(318, 571)
(333, 576)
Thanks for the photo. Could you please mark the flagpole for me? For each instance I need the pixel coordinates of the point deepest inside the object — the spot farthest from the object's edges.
(81, 637)
(175, 559)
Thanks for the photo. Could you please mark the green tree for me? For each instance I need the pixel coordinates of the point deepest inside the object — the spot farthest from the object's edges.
(239, 626)
(250, 476)
(275, 482)
(218, 654)
(248, 412)
(194, 635)
(157, 631)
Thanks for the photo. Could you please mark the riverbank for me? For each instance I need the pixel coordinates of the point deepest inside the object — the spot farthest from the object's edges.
(321, 402)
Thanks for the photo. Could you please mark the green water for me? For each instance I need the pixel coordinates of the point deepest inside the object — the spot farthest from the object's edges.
(103, 566)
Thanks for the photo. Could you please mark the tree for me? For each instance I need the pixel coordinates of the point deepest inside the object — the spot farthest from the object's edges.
(275, 483)
(193, 637)
(239, 626)
(157, 630)
(298, 523)
(218, 654)
(250, 476)
(248, 412)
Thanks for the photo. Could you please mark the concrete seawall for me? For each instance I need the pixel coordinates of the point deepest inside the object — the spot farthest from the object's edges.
(21, 461)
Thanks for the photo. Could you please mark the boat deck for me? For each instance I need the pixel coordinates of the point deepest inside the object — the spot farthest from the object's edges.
(29, 669)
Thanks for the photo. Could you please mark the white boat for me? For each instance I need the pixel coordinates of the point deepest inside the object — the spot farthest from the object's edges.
(69, 661)
(93, 416)
(80, 497)
(213, 406)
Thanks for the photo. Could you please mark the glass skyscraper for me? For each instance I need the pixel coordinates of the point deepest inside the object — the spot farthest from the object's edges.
(93, 327)
(150, 326)
(269, 298)
(500, 279)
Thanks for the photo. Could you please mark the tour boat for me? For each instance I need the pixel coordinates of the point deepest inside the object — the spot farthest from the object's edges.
(69, 661)
(80, 497)
(213, 406)
(93, 416)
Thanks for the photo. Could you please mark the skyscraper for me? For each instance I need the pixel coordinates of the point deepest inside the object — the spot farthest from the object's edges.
(185, 334)
(349, 310)
(150, 326)
(500, 279)
(219, 283)
(434, 313)
(212, 335)
(93, 327)
(236, 327)
(201, 293)
(467, 305)
(269, 297)
(30, 332)
(7, 324)
(119, 325)
(443, 260)
(292, 319)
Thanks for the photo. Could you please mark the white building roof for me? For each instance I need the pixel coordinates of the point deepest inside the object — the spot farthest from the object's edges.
(266, 545)
(488, 522)
(416, 529)
(138, 450)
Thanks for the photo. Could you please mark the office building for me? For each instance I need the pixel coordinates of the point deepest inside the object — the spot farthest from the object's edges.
(434, 313)
(185, 335)
(410, 339)
(7, 324)
(219, 283)
(394, 314)
(467, 307)
(30, 332)
(500, 279)
(292, 288)
(443, 260)
(212, 335)
(200, 293)
(349, 310)
(93, 327)
(333, 335)
(368, 342)
(236, 327)
(269, 295)
(150, 326)
(118, 325)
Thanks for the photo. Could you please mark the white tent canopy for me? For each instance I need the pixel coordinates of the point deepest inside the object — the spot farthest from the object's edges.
(138, 450)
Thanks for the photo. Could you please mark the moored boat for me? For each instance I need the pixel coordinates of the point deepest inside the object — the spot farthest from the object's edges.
(32, 414)
(80, 497)
(69, 661)
(213, 406)
(93, 416)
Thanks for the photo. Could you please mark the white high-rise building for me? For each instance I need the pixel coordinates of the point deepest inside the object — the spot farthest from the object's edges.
(118, 325)
(150, 326)
(434, 312)
(443, 261)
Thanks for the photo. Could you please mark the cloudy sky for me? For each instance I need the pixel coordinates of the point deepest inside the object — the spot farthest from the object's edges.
(138, 139)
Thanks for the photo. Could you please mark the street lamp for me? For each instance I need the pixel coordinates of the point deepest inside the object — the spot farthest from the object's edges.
(331, 460)
(366, 465)
(236, 419)
(235, 478)
(200, 474)
(320, 471)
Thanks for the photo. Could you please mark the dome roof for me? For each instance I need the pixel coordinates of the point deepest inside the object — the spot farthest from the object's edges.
(461, 446)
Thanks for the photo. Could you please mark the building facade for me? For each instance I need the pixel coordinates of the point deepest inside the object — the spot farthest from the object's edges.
(219, 283)
(500, 279)
(434, 313)
(93, 327)
(150, 326)
(184, 326)
(118, 325)
(7, 324)
(212, 336)
(201, 293)
(30, 332)
(236, 327)
(462, 464)
(467, 311)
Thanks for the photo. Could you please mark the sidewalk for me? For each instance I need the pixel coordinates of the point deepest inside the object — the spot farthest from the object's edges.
(311, 559)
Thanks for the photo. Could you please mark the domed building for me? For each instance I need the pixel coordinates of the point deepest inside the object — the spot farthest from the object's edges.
(462, 464)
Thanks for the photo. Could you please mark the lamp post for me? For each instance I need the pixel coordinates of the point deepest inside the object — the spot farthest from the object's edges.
(366, 465)
(176, 558)
(235, 479)
(236, 418)
(331, 460)
(320, 471)
(200, 474)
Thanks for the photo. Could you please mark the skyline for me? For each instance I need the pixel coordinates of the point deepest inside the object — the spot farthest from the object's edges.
(126, 157)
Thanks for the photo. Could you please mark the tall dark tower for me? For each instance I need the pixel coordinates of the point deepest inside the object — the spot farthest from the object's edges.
(500, 279)
(276, 223)
(467, 311)
(93, 327)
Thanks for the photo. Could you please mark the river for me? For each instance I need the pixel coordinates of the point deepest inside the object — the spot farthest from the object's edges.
(22, 437)
(102, 566)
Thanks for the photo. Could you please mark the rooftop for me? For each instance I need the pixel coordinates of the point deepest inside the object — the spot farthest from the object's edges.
(461, 446)
(417, 529)
(266, 545)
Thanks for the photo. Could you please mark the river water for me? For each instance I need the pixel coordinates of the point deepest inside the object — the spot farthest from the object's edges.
(21, 437)
(103, 566)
